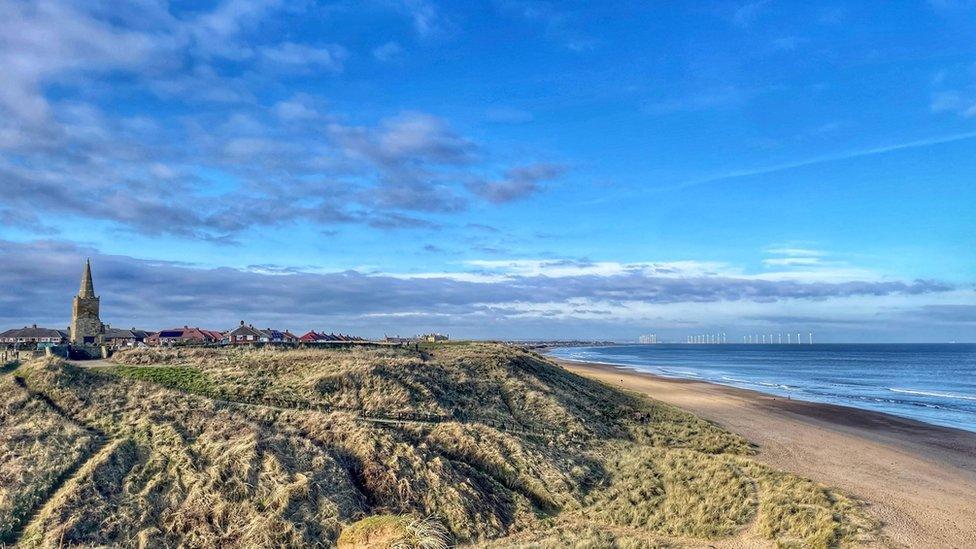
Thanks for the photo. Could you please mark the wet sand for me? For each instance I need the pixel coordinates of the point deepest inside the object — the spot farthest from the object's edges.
(918, 479)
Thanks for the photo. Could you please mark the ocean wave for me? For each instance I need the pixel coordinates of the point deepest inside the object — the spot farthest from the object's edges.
(679, 372)
(735, 380)
(760, 383)
(932, 394)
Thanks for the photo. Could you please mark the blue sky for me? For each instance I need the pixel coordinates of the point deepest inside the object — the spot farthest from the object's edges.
(495, 169)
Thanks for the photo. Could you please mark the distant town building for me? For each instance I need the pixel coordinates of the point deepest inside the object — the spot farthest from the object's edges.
(115, 337)
(86, 326)
(277, 336)
(247, 333)
(244, 334)
(647, 339)
(33, 334)
(398, 339)
(431, 338)
(311, 337)
(187, 335)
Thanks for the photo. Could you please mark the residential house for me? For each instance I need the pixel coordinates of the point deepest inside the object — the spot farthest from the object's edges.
(316, 337)
(132, 337)
(33, 334)
(246, 334)
(186, 336)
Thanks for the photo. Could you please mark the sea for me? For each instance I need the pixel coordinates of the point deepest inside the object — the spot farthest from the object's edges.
(933, 383)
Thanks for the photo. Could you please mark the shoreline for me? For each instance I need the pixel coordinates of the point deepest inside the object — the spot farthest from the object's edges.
(918, 479)
(756, 387)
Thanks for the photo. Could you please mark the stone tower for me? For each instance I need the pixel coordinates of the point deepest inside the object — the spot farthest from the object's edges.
(86, 327)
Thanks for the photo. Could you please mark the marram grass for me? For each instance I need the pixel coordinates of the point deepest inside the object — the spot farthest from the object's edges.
(514, 452)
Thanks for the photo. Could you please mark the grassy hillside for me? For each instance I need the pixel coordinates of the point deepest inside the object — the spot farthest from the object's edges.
(472, 444)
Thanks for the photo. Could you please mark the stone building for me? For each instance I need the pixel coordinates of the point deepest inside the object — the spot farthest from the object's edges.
(86, 326)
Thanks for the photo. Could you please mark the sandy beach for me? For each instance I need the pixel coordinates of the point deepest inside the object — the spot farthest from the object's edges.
(918, 479)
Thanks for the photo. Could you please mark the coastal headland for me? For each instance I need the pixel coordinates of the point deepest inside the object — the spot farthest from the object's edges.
(918, 479)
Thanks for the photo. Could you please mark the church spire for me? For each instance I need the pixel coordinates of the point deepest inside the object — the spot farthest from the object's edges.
(87, 288)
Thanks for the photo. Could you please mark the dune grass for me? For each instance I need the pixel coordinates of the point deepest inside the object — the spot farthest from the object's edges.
(37, 446)
(395, 532)
(616, 470)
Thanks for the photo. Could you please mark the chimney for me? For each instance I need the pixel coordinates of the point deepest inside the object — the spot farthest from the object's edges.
(185, 327)
(242, 323)
(34, 326)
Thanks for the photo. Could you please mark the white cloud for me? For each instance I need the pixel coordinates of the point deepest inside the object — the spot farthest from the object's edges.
(747, 13)
(47, 40)
(518, 183)
(296, 108)
(796, 251)
(428, 21)
(571, 268)
(388, 51)
(289, 56)
(792, 261)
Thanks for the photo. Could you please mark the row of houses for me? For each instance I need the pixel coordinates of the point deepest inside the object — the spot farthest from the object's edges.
(50, 336)
(243, 334)
(33, 334)
(425, 338)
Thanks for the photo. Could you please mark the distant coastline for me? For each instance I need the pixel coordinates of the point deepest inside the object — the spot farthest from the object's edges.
(924, 382)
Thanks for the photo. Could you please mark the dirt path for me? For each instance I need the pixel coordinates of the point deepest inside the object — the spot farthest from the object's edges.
(919, 480)
(99, 442)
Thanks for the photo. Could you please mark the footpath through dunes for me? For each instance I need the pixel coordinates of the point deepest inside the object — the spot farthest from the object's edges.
(474, 444)
(43, 449)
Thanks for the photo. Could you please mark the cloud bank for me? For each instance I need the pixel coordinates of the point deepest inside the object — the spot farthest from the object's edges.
(500, 294)
(240, 161)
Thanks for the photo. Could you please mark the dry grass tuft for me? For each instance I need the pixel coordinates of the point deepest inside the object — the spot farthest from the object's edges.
(395, 532)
